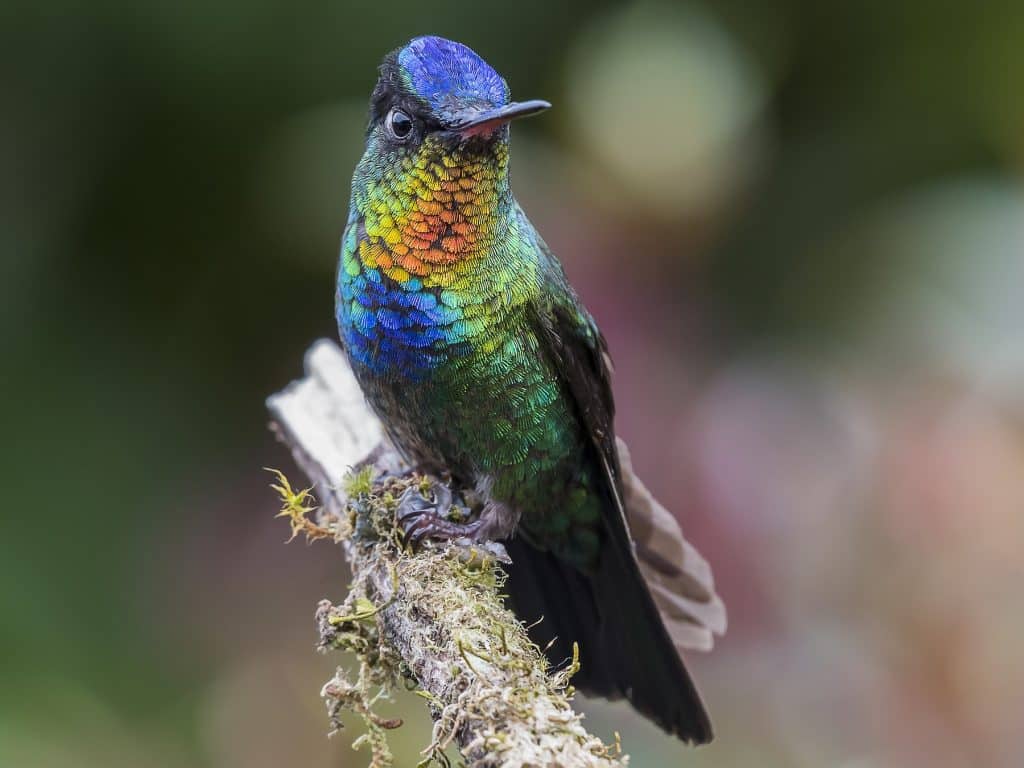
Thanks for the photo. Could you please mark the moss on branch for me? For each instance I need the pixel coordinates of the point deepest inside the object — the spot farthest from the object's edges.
(434, 621)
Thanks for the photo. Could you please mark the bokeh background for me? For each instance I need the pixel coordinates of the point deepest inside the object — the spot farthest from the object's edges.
(800, 224)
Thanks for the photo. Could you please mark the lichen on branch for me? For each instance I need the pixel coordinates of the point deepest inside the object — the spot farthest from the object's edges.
(435, 622)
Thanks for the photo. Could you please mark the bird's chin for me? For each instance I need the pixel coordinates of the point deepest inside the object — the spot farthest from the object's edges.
(482, 134)
(484, 130)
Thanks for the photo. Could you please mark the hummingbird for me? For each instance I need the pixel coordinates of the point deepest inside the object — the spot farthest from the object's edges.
(484, 366)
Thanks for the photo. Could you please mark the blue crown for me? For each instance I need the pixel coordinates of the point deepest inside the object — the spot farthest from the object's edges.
(449, 76)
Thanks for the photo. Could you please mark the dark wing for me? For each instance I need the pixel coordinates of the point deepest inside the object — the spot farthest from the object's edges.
(625, 648)
(575, 341)
(678, 577)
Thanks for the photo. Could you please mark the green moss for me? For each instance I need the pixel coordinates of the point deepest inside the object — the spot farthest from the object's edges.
(358, 482)
(448, 599)
(297, 506)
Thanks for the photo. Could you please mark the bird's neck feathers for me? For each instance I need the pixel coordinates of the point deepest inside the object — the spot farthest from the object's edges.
(435, 262)
(433, 210)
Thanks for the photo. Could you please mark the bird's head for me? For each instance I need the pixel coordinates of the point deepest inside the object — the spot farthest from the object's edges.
(438, 101)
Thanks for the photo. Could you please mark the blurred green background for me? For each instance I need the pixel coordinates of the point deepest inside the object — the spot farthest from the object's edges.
(800, 224)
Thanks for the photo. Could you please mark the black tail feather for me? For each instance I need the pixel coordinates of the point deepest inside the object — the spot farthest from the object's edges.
(625, 650)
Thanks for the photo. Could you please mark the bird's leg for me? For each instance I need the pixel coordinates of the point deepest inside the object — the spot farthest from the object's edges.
(421, 518)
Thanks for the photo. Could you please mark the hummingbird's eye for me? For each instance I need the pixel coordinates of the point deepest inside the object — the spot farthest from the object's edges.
(399, 124)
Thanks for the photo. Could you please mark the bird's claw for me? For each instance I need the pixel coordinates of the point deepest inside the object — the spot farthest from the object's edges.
(421, 519)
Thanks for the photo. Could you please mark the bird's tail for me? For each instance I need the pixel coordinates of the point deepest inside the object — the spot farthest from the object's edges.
(629, 632)
(678, 577)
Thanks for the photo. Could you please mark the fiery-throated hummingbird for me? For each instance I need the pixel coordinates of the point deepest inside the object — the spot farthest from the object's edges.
(476, 353)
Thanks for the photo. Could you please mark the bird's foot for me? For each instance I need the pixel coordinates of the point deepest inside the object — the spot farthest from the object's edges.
(421, 518)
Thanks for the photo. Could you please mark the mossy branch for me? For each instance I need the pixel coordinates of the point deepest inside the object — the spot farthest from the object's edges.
(433, 621)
